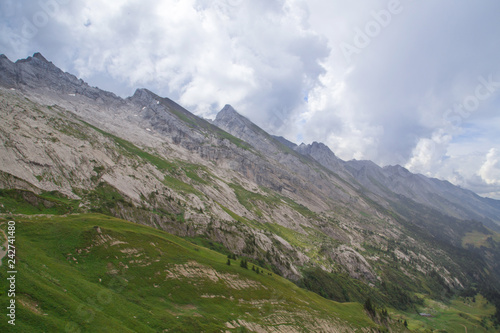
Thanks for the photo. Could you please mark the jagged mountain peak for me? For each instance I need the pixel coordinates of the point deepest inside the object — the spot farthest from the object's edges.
(397, 169)
(228, 108)
(143, 96)
(39, 56)
(35, 71)
(358, 164)
(321, 147)
(36, 56)
(241, 127)
(142, 91)
(228, 113)
(322, 154)
(39, 74)
(229, 119)
(38, 60)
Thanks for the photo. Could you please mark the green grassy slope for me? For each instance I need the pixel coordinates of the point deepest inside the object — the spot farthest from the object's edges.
(94, 273)
(462, 314)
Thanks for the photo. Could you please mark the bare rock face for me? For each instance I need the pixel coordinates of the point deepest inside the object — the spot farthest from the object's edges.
(291, 167)
(355, 264)
(234, 123)
(38, 74)
(323, 155)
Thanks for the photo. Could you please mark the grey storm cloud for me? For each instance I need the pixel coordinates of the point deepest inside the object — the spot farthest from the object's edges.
(394, 81)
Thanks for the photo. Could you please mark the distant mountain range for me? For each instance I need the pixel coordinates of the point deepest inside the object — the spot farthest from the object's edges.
(298, 210)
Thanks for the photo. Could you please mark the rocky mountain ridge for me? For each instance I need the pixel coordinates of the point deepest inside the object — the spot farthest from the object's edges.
(291, 207)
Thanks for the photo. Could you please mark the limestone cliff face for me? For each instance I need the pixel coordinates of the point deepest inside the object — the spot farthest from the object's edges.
(355, 264)
(323, 155)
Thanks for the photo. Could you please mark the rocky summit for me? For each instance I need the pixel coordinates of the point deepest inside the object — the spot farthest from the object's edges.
(375, 244)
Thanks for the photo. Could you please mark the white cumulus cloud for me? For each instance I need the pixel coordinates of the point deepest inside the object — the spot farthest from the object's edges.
(490, 170)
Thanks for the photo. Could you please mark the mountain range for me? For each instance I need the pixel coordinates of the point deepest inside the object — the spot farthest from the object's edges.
(346, 230)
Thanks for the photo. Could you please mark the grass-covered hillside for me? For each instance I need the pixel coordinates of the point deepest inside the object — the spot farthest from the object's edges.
(95, 273)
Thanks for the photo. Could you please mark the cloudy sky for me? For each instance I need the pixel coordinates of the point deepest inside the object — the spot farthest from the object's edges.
(415, 83)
